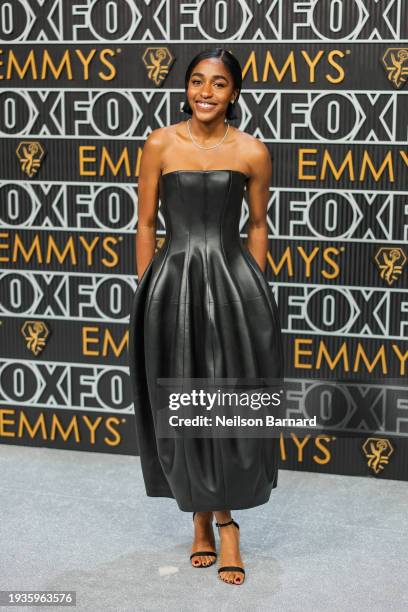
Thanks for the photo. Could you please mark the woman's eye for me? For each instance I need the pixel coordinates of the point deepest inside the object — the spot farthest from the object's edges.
(197, 82)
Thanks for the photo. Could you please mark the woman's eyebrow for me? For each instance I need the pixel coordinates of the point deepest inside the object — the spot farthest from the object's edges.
(215, 76)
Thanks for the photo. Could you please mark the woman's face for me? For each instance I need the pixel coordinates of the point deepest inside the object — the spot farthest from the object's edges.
(210, 89)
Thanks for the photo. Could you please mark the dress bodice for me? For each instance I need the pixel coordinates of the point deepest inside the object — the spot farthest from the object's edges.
(203, 256)
(202, 204)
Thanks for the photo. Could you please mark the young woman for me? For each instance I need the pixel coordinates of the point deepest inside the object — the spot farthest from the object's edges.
(203, 307)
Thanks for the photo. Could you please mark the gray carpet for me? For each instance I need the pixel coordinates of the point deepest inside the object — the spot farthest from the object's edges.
(81, 521)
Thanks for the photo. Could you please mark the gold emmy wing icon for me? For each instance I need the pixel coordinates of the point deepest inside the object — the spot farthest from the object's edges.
(390, 261)
(159, 242)
(30, 154)
(157, 61)
(378, 452)
(35, 334)
(396, 65)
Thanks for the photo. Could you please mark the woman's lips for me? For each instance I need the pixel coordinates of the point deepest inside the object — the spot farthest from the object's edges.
(205, 106)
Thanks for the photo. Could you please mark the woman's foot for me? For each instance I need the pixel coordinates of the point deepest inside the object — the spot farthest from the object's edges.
(203, 539)
(230, 553)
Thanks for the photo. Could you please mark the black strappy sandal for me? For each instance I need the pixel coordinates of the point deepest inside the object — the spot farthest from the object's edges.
(230, 568)
(203, 553)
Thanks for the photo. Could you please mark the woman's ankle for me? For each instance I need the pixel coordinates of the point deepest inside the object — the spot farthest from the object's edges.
(223, 516)
(203, 517)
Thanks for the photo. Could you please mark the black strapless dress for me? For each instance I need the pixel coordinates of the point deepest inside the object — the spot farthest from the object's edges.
(203, 308)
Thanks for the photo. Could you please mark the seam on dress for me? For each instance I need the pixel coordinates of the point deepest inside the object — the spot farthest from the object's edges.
(225, 203)
(266, 291)
(241, 300)
(236, 285)
(146, 345)
(208, 275)
(150, 292)
(184, 322)
(159, 271)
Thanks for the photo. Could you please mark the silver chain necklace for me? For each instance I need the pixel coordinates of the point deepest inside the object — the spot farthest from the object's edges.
(201, 146)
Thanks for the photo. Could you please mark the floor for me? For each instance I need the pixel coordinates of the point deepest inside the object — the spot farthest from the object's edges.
(81, 521)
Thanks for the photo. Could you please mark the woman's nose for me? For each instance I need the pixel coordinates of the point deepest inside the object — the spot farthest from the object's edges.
(206, 89)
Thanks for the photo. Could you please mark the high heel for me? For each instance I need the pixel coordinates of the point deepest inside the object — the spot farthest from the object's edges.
(230, 568)
(203, 553)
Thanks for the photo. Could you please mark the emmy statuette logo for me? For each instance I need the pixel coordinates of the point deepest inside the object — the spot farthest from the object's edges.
(390, 262)
(159, 243)
(395, 62)
(157, 61)
(35, 334)
(378, 452)
(30, 154)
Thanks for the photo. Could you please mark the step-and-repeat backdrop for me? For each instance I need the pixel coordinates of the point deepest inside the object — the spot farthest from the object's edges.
(83, 82)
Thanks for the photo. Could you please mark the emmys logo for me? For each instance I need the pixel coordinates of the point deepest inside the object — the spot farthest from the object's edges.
(35, 334)
(390, 262)
(396, 65)
(159, 243)
(378, 452)
(30, 155)
(157, 61)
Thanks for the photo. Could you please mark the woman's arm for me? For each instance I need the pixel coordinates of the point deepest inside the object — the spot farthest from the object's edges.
(148, 200)
(258, 196)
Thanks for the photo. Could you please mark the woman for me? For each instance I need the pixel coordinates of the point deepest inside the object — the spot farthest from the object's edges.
(203, 307)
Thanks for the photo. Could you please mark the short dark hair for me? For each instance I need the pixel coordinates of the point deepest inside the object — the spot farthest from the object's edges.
(232, 65)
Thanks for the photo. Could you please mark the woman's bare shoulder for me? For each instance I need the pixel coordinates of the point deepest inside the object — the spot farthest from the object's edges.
(253, 143)
(156, 137)
(161, 136)
(256, 151)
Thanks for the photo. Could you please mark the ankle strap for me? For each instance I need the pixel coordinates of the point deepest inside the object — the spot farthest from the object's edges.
(231, 522)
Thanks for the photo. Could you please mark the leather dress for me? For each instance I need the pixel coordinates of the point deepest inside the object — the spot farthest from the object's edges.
(203, 308)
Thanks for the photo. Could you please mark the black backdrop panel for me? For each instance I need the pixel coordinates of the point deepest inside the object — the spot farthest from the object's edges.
(324, 86)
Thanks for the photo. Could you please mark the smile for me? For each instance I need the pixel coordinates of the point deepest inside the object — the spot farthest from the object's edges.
(205, 105)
